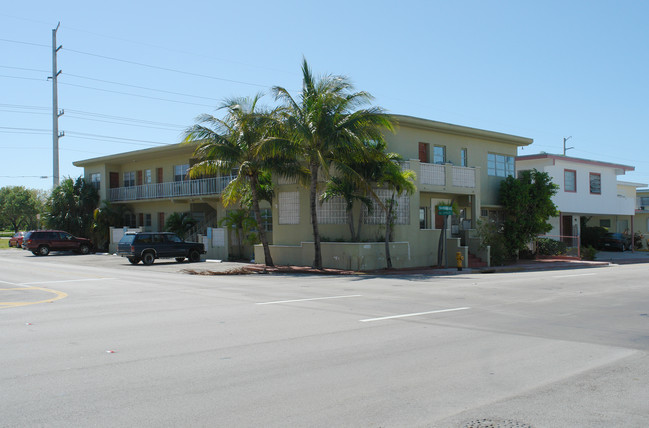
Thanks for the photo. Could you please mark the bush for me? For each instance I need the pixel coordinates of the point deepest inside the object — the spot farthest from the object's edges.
(588, 253)
(550, 247)
(491, 235)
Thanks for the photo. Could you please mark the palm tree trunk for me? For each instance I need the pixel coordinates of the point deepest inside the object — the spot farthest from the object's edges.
(262, 233)
(317, 260)
(388, 232)
(358, 228)
(350, 221)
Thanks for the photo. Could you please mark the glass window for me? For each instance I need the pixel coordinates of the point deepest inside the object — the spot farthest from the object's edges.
(147, 176)
(463, 158)
(569, 180)
(500, 165)
(423, 217)
(180, 172)
(644, 201)
(95, 180)
(595, 183)
(267, 219)
(439, 154)
(605, 222)
(129, 179)
(147, 219)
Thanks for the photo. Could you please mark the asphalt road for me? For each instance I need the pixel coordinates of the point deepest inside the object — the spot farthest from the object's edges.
(94, 341)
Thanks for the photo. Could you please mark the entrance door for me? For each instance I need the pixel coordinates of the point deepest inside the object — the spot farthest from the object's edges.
(566, 229)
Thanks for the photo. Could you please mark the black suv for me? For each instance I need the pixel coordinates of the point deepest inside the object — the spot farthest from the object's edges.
(148, 246)
(41, 242)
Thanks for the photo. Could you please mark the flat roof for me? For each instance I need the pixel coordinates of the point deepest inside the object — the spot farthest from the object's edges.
(576, 160)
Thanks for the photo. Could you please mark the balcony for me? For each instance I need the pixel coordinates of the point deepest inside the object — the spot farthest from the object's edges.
(170, 190)
(448, 177)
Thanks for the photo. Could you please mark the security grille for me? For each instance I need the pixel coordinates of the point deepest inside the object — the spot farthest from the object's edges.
(289, 207)
(332, 211)
(401, 210)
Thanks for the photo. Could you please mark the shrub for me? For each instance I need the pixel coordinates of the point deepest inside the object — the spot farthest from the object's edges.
(588, 253)
(491, 235)
(550, 247)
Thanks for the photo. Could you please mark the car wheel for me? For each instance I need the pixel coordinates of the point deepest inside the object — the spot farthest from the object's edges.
(133, 260)
(194, 256)
(84, 249)
(10, 244)
(148, 258)
(180, 259)
(43, 250)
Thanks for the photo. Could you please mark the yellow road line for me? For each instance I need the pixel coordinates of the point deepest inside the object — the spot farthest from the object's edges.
(59, 295)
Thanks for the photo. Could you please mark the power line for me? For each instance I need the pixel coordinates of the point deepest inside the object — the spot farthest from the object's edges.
(172, 70)
(23, 68)
(24, 43)
(134, 95)
(141, 87)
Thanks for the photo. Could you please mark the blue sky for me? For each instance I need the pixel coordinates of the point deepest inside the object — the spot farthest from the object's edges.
(135, 74)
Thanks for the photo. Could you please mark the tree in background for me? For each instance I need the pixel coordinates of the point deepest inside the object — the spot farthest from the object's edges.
(324, 128)
(71, 207)
(107, 216)
(19, 207)
(528, 206)
(240, 222)
(179, 223)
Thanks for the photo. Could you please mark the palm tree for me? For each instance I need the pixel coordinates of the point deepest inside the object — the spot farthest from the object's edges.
(241, 223)
(179, 223)
(400, 182)
(235, 142)
(325, 128)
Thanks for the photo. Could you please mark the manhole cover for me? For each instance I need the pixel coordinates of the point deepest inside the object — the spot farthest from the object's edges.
(495, 423)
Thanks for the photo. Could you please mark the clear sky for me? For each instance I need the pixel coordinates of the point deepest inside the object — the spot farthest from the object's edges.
(136, 73)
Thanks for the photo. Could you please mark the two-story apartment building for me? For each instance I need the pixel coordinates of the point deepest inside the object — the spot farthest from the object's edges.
(587, 188)
(642, 215)
(452, 164)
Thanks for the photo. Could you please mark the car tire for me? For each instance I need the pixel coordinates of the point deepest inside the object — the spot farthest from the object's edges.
(194, 256)
(133, 260)
(148, 258)
(43, 250)
(180, 259)
(84, 249)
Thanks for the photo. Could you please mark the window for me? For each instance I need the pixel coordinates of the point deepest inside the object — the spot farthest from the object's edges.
(147, 220)
(129, 179)
(289, 207)
(500, 165)
(605, 222)
(401, 210)
(180, 172)
(464, 161)
(439, 155)
(423, 217)
(129, 220)
(95, 180)
(595, 183)
(267, 219)
(332, 211)
(147, 176)
(569, 180)
(644, 201)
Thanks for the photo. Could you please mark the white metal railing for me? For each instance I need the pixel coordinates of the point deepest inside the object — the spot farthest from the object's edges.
(432, 174)
(172, 189)
(463, 177)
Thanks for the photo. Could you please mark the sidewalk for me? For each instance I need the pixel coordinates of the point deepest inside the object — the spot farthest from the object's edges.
(604, 258)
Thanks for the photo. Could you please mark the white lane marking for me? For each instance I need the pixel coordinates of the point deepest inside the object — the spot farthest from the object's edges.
(7, 282)
(306, 300)
(577, 274)
(414, 315)
(65, 280)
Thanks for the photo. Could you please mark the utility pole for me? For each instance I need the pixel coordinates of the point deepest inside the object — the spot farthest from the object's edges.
(564, 144)
(55, 111)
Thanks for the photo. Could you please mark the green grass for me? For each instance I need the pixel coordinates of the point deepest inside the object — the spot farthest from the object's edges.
(6, 233)
(4, 243)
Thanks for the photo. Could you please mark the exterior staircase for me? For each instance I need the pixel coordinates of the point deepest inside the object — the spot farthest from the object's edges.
(200, 228)
(475, 262)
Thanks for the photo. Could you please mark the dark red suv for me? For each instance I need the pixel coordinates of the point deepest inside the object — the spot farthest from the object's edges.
(41, 242)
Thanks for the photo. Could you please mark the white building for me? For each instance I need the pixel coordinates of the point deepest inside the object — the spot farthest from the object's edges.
(589, 189)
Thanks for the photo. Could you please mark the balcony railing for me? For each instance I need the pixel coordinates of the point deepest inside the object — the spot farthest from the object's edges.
(443, 175)
(173, 189)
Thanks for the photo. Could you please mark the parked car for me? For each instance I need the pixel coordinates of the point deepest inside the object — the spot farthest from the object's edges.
(17, 240)
(614, 241)
(148, 246)
(41, 242)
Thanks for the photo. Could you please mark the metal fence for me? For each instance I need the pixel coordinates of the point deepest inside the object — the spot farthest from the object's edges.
(173, 189)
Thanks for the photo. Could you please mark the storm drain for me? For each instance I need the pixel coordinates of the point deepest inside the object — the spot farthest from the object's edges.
(495, 423)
